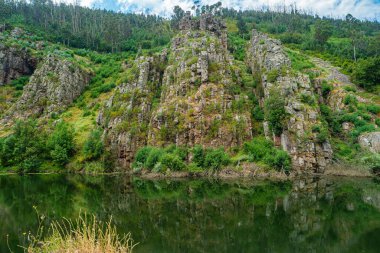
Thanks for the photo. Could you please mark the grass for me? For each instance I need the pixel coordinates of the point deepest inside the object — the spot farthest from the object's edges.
(82, 125)
(83, 235)
(299, 61)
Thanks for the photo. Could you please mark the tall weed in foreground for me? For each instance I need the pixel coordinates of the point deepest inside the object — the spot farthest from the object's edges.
(85, 234)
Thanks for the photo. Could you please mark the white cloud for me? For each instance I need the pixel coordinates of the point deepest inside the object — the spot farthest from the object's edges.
(364, 9)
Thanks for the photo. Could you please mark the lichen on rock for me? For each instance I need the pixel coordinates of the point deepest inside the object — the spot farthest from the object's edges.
(54, 85)
(182, 97)
(301, 134)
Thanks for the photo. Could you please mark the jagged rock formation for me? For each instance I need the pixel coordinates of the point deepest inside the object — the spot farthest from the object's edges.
(126, 115)
(181, 97)
(53, 86)
(266, 56)
(15, 63)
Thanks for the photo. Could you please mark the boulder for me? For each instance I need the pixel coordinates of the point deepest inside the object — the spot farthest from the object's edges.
(370, 141)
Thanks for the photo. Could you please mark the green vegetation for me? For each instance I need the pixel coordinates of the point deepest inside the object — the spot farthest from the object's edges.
(29, 147)
(367, 73)
(61, 143)
(275, 112)
(116, 39)
(176, 159)
(20, 82)
(33, 148)
(93, 147)
(263, 151)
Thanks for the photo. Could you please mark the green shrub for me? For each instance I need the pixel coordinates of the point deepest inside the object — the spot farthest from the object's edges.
(25, 148)
(153, 158)
(198, 155)
(362, 129)
(258, 113)
(262, 150)
(326, 89)
(141, 156)
(172, 162)
(181, 152)
(350, 100)
(272, 75)
(93, 148)
(61, 143)
(366, 72)
(279, 160)
(374, 109)
(102, 89)
(215, 159)
(258, 148)
(20, 82)
(350, 88)
(94, 167)
(321, 133)
(275, 112)
(307, 99)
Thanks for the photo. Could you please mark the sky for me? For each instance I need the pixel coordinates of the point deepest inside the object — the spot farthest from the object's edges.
(362, 9)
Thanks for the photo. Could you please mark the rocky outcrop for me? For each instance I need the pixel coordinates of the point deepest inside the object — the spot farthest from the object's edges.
(125, 117)
(370, 141)
(15, 63)
(52, 87)
(182, 97)
(266, 53)
(196, 106)
(302, 128)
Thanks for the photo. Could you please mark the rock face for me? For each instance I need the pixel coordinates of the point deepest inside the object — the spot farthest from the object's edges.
(370, 141)
(299, 136)
(126, 115)
(15, 63)
(180, 97)
(52, 87)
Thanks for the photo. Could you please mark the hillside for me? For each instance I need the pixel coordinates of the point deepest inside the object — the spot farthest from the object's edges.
(217, 97)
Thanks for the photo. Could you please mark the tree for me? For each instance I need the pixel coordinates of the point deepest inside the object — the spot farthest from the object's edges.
(61, 143)
(93, 147)
(242, 26)
(25, 148)
(178, 14)
(275, 112)
(366, 72)
(323, 31)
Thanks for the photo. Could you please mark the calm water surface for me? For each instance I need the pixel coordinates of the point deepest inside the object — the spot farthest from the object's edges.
(304, 215)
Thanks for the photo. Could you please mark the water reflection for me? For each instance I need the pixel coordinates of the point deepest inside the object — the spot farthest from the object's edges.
(306, 215)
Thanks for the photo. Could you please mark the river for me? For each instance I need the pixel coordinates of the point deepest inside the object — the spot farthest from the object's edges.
(202, 215)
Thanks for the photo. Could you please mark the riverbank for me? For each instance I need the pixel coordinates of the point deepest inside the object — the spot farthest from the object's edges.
(256, 172)
(247, 171)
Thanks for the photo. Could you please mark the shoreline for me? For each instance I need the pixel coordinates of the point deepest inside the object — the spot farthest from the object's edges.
(255, 172)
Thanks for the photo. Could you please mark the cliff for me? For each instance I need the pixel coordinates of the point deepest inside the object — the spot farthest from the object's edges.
(301, 126)
(183, 96)
(53, 86)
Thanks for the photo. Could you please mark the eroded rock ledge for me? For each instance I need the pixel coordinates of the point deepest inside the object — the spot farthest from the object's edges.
(266, 56)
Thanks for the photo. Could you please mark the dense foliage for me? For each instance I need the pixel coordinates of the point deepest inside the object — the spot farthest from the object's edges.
(177, 159)
(29, 147)
(82, 27)
(262, 150)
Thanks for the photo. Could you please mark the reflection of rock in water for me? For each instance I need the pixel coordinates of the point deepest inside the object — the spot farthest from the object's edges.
(306, 214)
